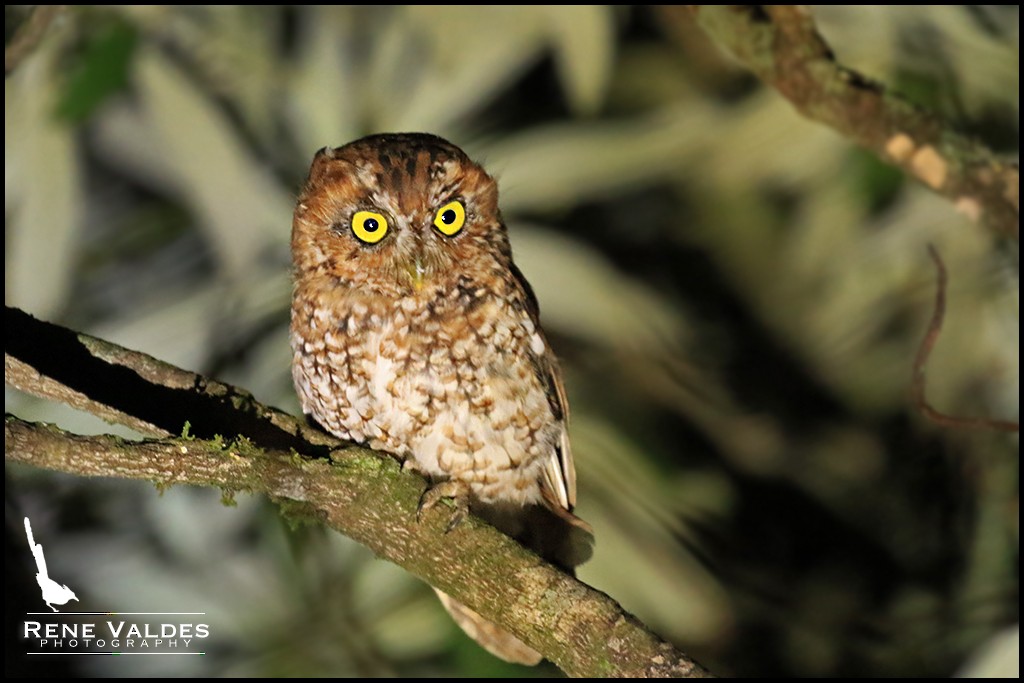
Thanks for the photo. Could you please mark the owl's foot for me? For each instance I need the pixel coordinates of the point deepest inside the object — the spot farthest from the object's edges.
(457, 491)
(410, 465)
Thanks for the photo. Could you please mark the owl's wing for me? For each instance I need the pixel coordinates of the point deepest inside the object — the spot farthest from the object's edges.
(559, 472)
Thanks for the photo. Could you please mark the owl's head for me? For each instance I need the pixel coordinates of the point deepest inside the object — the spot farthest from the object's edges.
(397, 214)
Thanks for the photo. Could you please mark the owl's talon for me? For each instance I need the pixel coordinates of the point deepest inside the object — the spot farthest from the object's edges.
(458, 515)
(457, 491)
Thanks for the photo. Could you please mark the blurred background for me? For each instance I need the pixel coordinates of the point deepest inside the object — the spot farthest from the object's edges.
(736, 295)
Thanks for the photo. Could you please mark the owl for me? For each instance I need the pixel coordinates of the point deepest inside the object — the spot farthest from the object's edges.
(414, 332)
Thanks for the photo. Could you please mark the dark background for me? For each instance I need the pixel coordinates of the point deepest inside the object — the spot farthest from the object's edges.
(736, 295)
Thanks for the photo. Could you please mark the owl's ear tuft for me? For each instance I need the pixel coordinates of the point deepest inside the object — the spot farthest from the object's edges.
(325, 165)
(321, 162)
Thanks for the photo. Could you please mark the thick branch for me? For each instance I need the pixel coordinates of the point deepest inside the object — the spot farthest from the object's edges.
(361, 493)
(781, 45)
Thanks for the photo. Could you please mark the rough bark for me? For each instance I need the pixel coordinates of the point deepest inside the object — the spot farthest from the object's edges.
(781, 45)
(235, 443)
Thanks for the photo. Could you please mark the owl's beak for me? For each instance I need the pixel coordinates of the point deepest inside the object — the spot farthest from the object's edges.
(416, 271)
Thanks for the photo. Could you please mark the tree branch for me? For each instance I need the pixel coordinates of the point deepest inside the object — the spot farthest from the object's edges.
(28, 36)
(360, 493)
(924, 351)
(781, 45)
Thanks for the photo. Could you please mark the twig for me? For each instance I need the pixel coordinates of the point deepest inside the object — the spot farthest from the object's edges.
(28, 36)
(361, 493)
(781, 45)
(923, 353)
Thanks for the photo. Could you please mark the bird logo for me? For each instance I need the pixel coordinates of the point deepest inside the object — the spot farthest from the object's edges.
(53, 592)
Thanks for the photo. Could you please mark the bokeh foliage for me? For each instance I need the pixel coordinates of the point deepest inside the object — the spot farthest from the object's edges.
(736, 294)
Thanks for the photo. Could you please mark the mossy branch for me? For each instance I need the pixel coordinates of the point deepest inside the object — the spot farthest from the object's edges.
(360, 493)
(781, 45)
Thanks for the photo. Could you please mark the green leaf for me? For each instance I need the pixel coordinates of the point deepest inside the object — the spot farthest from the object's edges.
(43, 183)
(239, 204)
(622, 312)
(427, 83)
(101, 71)
(877, 182)
(583, 37)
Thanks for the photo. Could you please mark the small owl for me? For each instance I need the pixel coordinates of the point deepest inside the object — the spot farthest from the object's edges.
(415, 333)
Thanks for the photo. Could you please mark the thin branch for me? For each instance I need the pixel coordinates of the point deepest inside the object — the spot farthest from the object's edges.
(142, 392)
(360, 493)
(781, 45)
(29, 35)
(924, 351)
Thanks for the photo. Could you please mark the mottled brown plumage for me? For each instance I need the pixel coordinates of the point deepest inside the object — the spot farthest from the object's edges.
(414, 332)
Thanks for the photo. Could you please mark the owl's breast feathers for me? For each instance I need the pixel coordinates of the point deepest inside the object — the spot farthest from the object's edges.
(460, 381)
(414, 332)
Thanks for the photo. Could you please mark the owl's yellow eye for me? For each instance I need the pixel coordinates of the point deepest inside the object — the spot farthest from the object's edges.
(369, 226)
(450, 218)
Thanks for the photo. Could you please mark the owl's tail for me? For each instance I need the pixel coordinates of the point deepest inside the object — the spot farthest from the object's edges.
(489, 635)
(557, 535)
